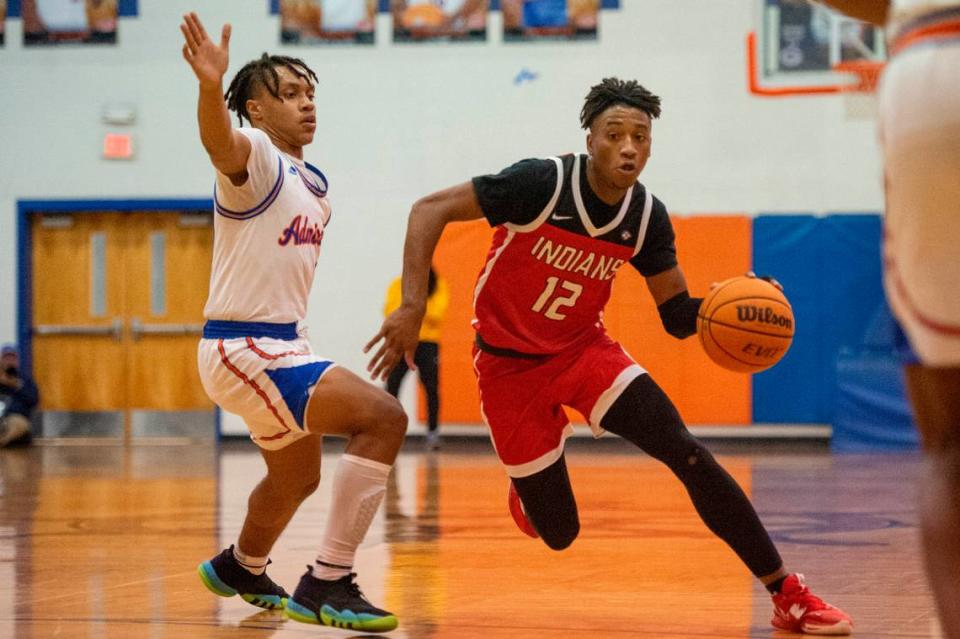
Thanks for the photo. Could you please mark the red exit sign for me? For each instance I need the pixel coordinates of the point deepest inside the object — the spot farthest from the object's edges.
(117, 146)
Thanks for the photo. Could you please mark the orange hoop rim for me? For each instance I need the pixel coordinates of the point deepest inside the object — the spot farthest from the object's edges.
(867, 74)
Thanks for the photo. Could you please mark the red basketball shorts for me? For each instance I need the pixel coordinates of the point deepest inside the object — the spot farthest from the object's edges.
(522, 400)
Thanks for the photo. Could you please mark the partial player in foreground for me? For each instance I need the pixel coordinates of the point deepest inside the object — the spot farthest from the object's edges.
(920, 135)
(271, 212)
(564, 226)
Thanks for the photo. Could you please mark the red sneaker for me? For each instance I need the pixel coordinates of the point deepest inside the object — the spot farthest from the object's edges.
(516, 510)
(796, 609)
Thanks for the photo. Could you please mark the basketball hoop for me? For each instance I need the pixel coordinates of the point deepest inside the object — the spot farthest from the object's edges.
(867, 74)
(860, 95)
(858, 84)
(866, 71)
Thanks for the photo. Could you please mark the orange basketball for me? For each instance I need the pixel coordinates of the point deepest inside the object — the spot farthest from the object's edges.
(422, 16)
(745, 324)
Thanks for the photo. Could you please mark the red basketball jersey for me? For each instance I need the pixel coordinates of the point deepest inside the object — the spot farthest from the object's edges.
(545, 283)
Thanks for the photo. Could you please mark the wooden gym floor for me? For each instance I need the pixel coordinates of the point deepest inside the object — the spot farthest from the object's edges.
(103, 541)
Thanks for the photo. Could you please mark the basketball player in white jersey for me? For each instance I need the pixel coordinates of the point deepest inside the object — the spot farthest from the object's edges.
(270, 214)
(920, 134)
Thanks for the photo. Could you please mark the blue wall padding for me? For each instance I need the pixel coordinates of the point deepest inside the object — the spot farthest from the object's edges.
(873, 413)
(831, 273)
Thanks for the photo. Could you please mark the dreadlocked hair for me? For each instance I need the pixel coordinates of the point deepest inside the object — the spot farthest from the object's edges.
(613, 91)
(262, 72)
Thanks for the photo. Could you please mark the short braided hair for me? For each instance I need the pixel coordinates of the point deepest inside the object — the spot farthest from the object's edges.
(613, 91)
(262, 72)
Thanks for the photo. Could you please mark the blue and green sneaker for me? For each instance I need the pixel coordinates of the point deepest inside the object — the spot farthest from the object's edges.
(337, 603)
(223, 575)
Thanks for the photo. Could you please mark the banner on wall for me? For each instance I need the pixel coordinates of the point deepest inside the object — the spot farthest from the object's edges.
(423, 20)
(327, 21)
(69, 21)
(526, 20)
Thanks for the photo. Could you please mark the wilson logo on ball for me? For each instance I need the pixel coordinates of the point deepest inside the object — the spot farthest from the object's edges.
(763, 316)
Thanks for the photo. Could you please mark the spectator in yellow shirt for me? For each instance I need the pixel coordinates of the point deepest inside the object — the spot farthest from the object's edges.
(427, 356)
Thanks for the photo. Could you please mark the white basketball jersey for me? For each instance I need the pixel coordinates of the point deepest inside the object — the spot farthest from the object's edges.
(266, 237)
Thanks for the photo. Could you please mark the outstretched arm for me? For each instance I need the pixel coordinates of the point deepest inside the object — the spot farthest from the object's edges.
(228, 149)
(428, 217)
(874, 11)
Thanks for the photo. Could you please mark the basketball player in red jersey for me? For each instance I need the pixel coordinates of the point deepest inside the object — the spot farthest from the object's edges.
(921, 149)
(564, 226)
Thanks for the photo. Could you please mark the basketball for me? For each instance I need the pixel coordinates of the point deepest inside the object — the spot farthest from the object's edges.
(422, 16)
(745, 324)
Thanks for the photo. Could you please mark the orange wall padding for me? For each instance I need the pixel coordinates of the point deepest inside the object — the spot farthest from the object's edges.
(709, 248)
(459, 257)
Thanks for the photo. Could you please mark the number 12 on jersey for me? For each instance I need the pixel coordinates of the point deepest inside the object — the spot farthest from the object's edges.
(560, 300)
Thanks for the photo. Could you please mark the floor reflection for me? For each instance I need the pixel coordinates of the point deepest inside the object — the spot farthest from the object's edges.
(103, 541)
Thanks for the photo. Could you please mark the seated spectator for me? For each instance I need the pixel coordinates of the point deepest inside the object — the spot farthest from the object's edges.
(18, 398)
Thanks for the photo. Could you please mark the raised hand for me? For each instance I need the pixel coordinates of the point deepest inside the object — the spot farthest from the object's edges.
(400, 333)
(208, 60)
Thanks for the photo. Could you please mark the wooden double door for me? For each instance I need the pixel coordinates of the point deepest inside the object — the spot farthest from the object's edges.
(117, 311)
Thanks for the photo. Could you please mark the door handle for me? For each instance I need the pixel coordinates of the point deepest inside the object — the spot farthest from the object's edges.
(138, 328)
(114, 329)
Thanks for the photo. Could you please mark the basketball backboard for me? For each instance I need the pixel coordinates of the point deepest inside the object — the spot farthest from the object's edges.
(801, 47)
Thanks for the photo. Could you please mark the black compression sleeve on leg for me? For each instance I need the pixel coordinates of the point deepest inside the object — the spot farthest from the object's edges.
(679, 314)
(549, 504)
(644, 415)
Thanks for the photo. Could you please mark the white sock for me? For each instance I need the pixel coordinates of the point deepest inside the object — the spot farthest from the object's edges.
(358, 488)
(255, 565)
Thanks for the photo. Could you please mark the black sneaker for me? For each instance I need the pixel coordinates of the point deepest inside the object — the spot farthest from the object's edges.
(223, 575)
(337, 603)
